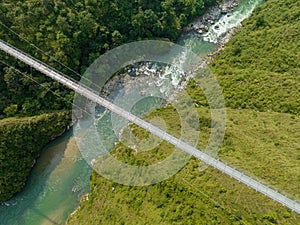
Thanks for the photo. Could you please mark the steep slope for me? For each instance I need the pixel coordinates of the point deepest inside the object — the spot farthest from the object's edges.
(21, 141)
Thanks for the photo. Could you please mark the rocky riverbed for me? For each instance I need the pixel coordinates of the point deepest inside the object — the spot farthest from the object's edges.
(148, 70)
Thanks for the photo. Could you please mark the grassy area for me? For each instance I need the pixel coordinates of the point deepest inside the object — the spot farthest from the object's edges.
(266, 145)
(261, 65)
(207, 196)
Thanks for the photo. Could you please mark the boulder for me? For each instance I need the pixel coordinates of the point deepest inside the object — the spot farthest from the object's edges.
(224, 11)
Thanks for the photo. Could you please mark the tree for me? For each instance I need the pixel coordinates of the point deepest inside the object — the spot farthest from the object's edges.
(11, 110)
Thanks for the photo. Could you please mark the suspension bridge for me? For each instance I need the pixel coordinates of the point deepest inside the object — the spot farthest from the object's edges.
(93, 96)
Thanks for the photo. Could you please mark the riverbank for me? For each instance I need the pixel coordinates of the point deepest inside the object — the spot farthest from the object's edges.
(201, 24)
(21, 142)
(147, 69)
(54, 187)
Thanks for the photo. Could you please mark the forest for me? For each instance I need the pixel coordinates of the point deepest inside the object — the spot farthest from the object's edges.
(75, 33)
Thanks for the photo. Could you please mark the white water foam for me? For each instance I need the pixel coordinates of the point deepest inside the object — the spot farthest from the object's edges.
(229, 21)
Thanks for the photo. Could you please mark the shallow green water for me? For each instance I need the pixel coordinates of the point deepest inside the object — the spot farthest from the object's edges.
(61, 176)
(53, 189)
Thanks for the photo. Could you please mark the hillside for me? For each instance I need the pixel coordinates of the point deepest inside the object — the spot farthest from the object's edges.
(197, 197)
(21, 140)
(261, 65)
(259, 74)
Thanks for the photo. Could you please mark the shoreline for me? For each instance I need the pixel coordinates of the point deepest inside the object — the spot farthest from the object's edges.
(209, 18)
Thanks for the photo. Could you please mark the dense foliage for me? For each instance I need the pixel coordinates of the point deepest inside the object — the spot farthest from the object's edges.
(76, 33)
(259, 73)
(21, 141)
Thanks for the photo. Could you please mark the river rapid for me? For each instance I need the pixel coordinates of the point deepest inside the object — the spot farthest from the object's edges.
(61, 176)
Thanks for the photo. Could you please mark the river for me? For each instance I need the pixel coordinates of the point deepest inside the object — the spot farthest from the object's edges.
(60, 176)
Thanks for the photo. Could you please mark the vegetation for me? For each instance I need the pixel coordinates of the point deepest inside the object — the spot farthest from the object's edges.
(259, 74)
(76, 33)
(21, 141)
(255, 142)
(260, 67)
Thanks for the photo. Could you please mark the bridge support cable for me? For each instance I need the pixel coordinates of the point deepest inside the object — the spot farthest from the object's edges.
(93, 96)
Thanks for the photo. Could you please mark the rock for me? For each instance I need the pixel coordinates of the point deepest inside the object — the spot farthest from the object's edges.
(224, 11)
(127, 78)
(93, 162)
